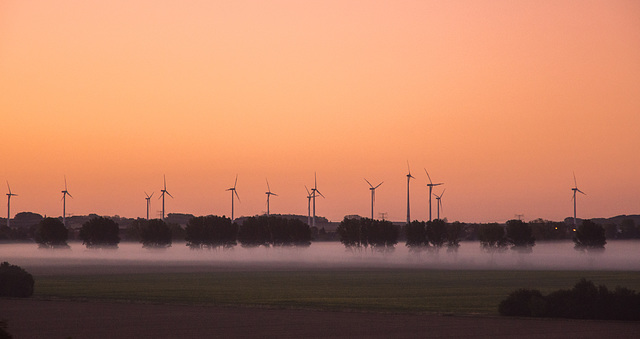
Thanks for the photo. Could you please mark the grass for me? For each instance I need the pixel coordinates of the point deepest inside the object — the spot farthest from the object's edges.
(385, 290)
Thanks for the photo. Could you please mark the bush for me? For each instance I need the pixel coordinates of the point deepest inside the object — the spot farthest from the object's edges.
(3, 330)
(584, 301)
(523, 303)
(15, 281)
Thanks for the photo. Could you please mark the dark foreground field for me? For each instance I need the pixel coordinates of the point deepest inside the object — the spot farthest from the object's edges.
(123, 301)
(61, 319)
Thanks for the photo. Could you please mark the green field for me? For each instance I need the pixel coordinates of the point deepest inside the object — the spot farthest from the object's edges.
(385, 290)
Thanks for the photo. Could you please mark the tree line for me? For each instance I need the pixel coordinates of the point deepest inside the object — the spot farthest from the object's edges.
(517, 235)
(211, 232)
(208, 232)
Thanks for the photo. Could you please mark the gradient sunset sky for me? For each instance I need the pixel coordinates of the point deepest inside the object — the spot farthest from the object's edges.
(500, 100)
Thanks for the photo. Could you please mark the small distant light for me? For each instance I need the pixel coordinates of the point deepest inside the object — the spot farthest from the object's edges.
(556, 228)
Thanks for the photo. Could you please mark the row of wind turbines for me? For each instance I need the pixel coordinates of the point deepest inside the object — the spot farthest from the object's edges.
(311, 198)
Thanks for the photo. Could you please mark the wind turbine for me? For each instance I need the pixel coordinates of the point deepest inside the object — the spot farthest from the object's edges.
(233, 191)
(309, 196)
(268, 193)
(164, 190)
(9, 195)
(409, 177)
(431, 185)
(373, 194)
(314, 190)
(148, 198)
(439, 203)
(64, 202)
(575, 189)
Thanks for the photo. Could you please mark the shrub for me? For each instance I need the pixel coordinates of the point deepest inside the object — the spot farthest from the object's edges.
(584, 301)
(15, 281)
(523, 303)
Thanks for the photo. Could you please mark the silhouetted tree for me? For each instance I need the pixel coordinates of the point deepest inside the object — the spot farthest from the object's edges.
(416, 234)
(155, 233)
(519, 235)
(454, 234)
(364, 232)
(299, 232)
(211, 232)
(254, 232)
(548, 230)
(15, 281)
(274, 231)
(100, 232)
(381, 235)
(492, 237)
(589, 237)
(350, 233)
(51, 233)
(437, 233)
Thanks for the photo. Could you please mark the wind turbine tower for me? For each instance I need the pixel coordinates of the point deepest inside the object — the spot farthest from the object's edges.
(164, 190)
(439, 203)
(309, 196)
(575, 189)
(64, 202)
(233, 191)
(431, 185)
(148, 198)
(314, 190)
(409, 177)
(269, 193)
(9, 195)
(373, 194)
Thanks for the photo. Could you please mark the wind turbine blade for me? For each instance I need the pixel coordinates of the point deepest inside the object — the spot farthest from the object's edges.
(169, 194)
(268, 188)
(145, 193)
(581, 191)
(428, 176)
(305, 187)
(315, 180)
(65, 182)
(575, 182)
(319, 193)
(409, 168)
(161, 195)
(237, 196)
(365, 179)
(9, 187)
(151, 195)
(441, 194)
(378, 185)
(165, 182)
(236, 182)
(69, 194)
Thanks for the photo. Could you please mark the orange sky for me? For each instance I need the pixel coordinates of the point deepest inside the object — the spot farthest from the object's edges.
(501, 100)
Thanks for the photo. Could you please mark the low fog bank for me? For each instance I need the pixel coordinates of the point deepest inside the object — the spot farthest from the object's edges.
(132, 258)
